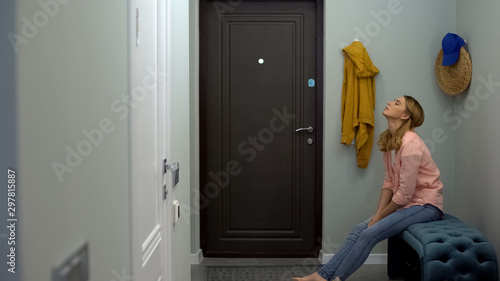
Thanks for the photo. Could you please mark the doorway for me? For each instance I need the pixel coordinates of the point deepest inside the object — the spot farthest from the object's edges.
(261, 128)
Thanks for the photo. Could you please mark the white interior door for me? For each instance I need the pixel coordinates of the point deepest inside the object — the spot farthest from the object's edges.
(147, 140)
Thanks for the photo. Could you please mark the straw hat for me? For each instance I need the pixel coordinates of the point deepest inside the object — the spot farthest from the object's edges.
(454, 79)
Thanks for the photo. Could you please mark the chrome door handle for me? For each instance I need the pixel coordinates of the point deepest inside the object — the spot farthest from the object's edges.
(310, 129)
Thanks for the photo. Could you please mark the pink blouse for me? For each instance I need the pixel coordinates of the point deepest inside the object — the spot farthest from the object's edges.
(413, 177)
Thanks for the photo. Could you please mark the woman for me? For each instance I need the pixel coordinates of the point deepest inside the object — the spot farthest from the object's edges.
(411, 193)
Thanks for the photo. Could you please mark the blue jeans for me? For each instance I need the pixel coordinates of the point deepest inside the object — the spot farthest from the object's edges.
(354, 252)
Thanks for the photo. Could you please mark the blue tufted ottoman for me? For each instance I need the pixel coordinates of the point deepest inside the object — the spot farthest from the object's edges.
(444, 250)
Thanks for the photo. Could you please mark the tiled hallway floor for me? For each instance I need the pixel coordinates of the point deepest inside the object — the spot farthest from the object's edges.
(365, 273)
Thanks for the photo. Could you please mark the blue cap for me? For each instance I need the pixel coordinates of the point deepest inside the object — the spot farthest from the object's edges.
(452, 44)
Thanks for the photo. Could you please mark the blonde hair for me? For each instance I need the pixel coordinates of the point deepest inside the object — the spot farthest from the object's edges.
(388, 142)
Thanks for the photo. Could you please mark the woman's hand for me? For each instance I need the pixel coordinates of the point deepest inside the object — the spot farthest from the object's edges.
(374, 220)
(389, 209)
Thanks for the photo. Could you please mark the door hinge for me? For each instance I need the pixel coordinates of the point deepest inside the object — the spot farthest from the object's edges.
(165, 192)
(165, 166)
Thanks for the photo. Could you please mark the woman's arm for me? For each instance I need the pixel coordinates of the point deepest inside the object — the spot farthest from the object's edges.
(385, 199)
(385, 206)
(389, 209)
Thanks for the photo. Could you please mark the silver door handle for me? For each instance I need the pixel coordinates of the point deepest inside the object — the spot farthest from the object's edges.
(310, 129)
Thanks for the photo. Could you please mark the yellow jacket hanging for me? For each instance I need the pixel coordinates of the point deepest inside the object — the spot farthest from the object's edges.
(358, 101)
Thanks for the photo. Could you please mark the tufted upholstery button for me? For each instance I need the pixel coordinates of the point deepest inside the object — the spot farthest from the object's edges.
(447, 249)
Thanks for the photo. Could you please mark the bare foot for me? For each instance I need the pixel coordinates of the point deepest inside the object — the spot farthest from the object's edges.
(313, 277)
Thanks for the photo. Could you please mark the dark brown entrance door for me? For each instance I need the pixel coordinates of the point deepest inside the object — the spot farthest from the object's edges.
(260, 192)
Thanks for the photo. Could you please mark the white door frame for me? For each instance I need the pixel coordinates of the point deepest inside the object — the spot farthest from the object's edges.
(164, 125)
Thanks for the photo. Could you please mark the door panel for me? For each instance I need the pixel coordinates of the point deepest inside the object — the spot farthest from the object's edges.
(258, 172)
(250, 97)
(146, 173)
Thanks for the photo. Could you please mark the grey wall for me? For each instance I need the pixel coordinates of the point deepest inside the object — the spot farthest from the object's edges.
(477, 132)
(70, 69)
(403, 46)
(8, 133)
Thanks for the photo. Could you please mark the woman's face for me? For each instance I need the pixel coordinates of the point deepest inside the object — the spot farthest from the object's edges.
(396, 109)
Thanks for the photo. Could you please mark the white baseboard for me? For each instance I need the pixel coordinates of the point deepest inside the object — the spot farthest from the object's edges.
(197, 258)
(372, 258)
(323, 258)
